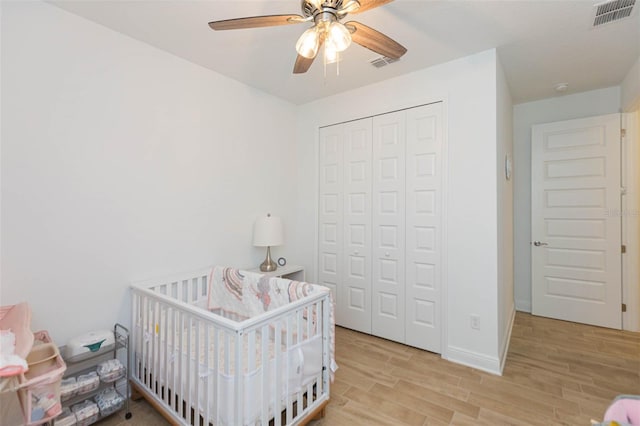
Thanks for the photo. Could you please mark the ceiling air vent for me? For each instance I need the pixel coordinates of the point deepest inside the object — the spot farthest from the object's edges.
(612, 11)
(383, 61)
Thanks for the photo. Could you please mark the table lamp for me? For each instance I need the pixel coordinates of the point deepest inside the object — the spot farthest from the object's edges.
(267, 232)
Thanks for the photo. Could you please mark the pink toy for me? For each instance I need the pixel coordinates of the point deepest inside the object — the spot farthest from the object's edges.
(625, 409)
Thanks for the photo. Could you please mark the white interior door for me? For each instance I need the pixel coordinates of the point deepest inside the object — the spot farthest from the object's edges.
(576, 234)
(388, 314)
(355, 289)
(330, 228)
(423, 263)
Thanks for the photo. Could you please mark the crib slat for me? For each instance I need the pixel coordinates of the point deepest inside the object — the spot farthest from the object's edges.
(290, 359)
(216, 374)
(188, 357)
(179, 355)
(266, 368)
(207, 377)
(196, 367)
(156, 347)
(301, 337)
(165, 324)
(251, 351)
(279, 365)
(326, 344)
(238, 378)
(175, 345)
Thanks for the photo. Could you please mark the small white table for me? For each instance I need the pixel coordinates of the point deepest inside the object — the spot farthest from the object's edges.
(291, 272)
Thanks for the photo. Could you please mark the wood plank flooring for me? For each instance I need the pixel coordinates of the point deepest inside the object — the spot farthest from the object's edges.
(556, 373)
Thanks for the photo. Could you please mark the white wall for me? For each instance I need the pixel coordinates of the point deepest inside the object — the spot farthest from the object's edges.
(586, 104)
(504, 125)
(122, 162)
(630, 89)
(468, 87)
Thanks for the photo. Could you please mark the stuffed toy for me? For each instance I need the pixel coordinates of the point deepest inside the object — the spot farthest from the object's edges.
(623, 411)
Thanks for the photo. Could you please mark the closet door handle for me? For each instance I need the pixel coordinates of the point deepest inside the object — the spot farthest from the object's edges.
(356, 252)
(386, 254)
(538, 244)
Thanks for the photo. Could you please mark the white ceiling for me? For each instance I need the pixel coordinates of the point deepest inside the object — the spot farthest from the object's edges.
(540, 43)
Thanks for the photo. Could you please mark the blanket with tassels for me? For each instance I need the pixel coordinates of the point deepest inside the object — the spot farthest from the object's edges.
(240, 295)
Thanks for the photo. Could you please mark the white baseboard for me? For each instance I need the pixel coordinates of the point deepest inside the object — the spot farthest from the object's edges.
(474, 360)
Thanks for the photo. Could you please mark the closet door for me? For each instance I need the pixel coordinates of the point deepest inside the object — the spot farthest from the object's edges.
(388, 239)
(330, 226)
(424, 226)
(355, 291)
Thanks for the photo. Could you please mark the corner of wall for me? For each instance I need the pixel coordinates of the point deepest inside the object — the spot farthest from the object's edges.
(504, 349)
(523, 305)
(630, 89)
(473, 359)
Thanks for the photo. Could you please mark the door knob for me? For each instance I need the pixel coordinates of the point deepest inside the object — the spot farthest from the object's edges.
(386, 254)
(538, 244)
(356, 252)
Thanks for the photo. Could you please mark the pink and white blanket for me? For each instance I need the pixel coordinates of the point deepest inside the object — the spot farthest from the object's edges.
(241, 295)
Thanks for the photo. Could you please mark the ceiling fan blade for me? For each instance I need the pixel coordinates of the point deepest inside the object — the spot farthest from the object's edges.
(370, 4)
(256, 22)
(303, 64)
(375, 40)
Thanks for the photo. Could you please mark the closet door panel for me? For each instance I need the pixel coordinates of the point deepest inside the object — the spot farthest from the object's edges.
(423, 227)
(355, 293)
(388, 239)
(330, 227)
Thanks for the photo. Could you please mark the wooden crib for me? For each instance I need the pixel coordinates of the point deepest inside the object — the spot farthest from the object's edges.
(227, 347)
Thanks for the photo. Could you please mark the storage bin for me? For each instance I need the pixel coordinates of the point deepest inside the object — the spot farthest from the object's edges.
(111, 370)
(39, 392)
(68, 388)
(109, 401)
(66, 418)
(88, 382)
(86, 412)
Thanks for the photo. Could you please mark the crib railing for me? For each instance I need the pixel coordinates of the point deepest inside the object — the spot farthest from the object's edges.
(205, 369)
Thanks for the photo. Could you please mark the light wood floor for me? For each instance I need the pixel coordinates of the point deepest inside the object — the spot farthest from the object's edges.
(556, 373)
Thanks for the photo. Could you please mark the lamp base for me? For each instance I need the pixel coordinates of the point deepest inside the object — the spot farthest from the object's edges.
(268, 265)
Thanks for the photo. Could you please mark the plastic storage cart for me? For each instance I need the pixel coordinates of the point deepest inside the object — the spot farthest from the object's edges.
(97, 385)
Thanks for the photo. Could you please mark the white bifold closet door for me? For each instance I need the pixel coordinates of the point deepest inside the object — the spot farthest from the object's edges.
(355, 293)
(424, 217)
(388, 315)
(380, 224)
(345, 220)
(330, 234)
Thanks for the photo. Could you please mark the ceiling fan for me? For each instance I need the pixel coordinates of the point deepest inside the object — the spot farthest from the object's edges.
(327, 30)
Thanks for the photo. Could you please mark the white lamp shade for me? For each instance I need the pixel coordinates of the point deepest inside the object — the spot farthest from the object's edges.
(339, 35)
(267, 231)
(308, 43)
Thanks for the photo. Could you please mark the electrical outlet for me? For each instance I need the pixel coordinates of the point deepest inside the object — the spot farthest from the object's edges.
(475, 322)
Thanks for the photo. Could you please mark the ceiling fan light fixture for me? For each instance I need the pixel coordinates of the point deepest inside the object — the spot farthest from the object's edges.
(330, 52)
(349, 7)
(308, 43)
(339, 36)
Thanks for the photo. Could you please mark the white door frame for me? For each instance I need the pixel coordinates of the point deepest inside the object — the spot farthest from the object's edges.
(631, 220)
